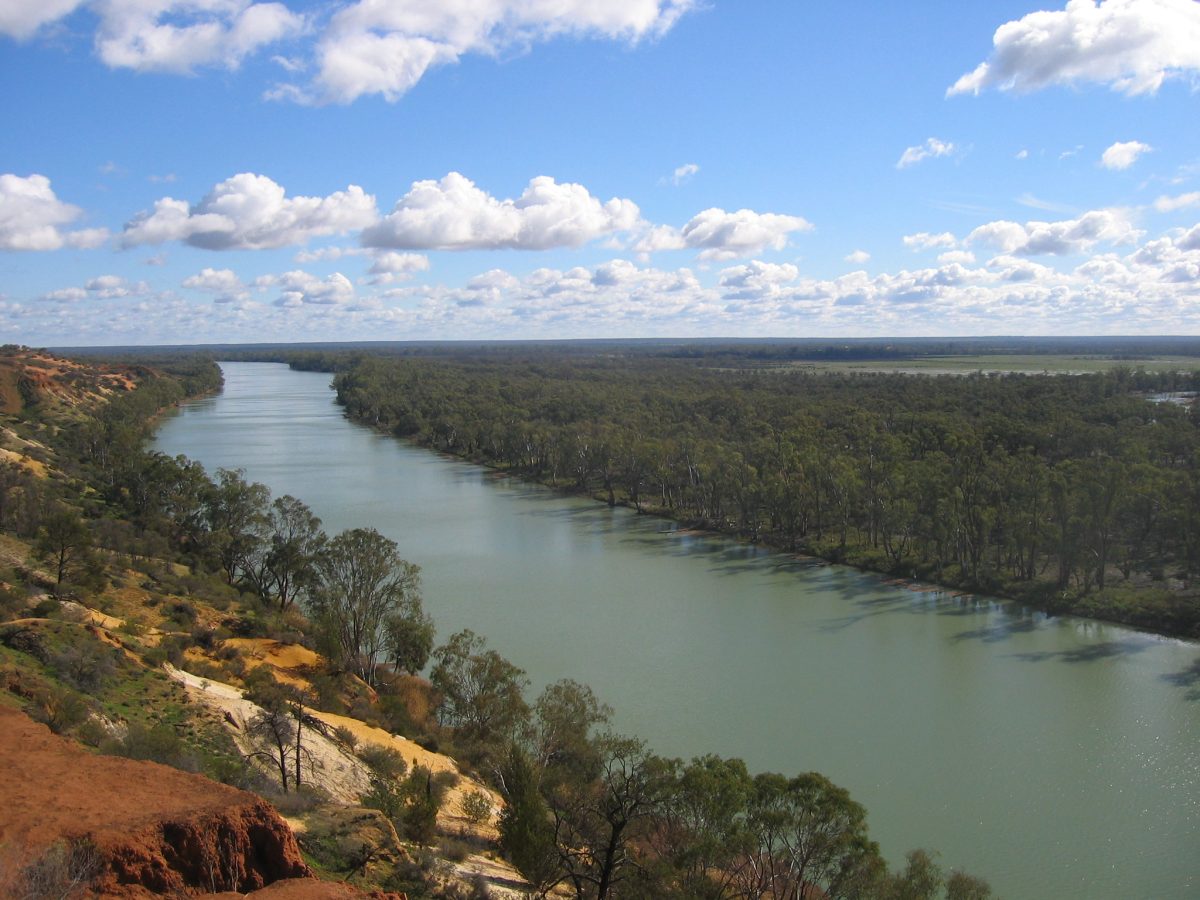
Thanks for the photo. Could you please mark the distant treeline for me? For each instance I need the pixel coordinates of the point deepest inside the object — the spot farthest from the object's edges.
(1074, 493)
(719, 351)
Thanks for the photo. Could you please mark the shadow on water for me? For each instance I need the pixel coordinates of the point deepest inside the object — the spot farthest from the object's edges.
(1091, 653)
(1188, 678)
(1002, 631)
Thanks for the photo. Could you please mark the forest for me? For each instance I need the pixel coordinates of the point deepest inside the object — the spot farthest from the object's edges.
(1070, 493)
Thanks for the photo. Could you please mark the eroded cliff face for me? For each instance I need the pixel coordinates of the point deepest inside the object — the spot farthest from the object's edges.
(150, 829)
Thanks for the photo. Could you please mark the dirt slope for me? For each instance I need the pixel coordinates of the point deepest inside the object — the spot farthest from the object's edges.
(157, 830)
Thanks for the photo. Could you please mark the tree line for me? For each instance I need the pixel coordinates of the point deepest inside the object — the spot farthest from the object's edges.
(1071, 492)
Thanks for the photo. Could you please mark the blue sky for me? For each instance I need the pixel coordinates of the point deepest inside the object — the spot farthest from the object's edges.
(227, 170)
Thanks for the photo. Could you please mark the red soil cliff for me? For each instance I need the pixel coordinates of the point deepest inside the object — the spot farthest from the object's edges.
(157, 830)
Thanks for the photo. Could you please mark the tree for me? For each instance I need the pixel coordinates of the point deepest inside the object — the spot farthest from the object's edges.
(409, 637)
(362, 586)
(564, 715)
(64, 541)
(237, 521)
(481, 691)
(599, 821)
(807, 832)
(295, 545)
(526, 833)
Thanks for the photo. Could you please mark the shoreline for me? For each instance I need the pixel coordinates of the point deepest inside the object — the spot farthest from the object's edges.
(1072, 608)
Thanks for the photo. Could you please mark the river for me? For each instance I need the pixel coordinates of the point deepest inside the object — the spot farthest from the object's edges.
(1055, 757)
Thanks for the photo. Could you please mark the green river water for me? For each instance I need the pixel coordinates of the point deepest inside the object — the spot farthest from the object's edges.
(1057, 758)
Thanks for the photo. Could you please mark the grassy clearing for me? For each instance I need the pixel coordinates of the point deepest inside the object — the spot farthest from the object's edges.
(1034, 364)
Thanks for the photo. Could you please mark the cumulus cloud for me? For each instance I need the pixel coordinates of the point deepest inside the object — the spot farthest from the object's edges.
(224, 284)
(932, 148)
(1131, 45)
(455, 214)
(858, 257)
(957, 257)
(1182, 201)
(372, 47)
(392, 266)
(1131, 291)
(102, 287)
(298, 288)
(21, 19)
(756, 279)
(721, 235)
(31, 217)
(1190, 240)
(1062, 238)
(250, 212)
(182, 35)
(923, 240)
(1123, 154)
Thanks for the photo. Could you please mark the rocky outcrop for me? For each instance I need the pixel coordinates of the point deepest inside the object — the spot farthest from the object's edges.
(150, 829)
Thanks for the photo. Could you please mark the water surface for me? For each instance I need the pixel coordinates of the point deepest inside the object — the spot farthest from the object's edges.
(1058, 758)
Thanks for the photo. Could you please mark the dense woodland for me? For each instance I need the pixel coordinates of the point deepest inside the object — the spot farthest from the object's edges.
(586, 810)
(1070, 492)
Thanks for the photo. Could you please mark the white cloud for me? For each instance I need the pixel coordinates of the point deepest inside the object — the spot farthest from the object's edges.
(756, 280)
(721, 235)
(923, 240)
(684, 173)
(1022, 154)
(1122, 155)
(1130, 292)
(1062, 238)
(298, 288)
(858, 257)
(454, 214)
(251, 212)
(65, 295)
(20, 18)
(223, 283)
(102, 287)
(182, 35)
(325, 254)
(1130, 45)
(373, 47)
(1191, 240)
(31, 217)
(392, 266)
(957, 257)
(1028, 199)
(932, 148)
(1182, 201)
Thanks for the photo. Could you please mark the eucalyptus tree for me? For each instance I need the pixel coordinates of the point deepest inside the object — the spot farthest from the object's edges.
(362, 588)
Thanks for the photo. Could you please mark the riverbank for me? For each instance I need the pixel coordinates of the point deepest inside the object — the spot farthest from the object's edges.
(1161, 611)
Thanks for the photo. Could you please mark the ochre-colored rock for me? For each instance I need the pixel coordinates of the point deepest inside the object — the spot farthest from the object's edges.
(158, 830)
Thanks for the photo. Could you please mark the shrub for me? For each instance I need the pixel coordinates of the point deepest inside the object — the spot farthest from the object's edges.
(158, 744)
(61, 709)
(182, 613)
(346, 737)
(383, 761)
(86, 665)
(453, 849)
(64, 870)
(476, 807)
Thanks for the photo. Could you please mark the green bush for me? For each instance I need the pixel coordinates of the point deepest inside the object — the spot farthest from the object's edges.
(383, 761)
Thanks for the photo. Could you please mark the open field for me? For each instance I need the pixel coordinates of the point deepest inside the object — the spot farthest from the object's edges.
(1030, 364)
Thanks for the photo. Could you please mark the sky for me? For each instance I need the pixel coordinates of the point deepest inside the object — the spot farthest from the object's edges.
(203, 171)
